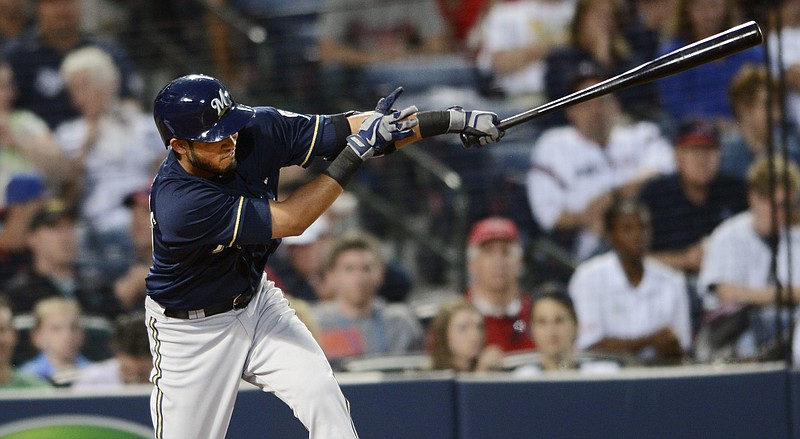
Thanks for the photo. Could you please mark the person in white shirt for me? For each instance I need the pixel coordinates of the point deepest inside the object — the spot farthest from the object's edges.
(131, 363)
(735, 270)
(515, 39)
(575, 168)
(627, 302)
(99, 145)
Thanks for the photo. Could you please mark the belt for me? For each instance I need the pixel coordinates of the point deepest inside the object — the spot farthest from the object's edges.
(239, 301)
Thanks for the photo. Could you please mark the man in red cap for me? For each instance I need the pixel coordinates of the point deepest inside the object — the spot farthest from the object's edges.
(687, 205)
(494, 261)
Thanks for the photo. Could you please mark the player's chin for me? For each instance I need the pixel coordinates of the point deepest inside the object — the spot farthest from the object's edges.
(230, 166)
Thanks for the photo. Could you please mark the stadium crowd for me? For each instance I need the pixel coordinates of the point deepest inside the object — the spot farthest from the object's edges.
(655, 226)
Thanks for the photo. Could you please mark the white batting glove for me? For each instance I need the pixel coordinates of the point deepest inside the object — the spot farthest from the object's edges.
(480, 124)
(382, 128)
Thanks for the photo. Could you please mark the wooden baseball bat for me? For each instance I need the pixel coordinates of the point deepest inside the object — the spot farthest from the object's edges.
(717, 46)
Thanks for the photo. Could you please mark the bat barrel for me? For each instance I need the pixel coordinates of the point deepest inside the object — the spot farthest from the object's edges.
(717, 46)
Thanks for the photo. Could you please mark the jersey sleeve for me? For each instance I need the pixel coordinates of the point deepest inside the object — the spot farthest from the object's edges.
(293, 138)
(191, 214)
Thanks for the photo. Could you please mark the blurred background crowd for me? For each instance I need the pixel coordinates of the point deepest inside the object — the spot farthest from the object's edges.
(656, 226)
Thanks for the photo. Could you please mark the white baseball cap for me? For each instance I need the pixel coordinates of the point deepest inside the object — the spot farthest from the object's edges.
(312, 234)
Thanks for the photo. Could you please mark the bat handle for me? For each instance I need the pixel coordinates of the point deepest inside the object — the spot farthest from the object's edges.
(469, 140)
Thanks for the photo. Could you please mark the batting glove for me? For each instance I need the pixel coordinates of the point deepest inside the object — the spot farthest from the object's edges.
(381, 129)
(476, 123)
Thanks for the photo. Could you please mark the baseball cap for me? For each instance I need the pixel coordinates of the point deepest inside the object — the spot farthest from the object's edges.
(141, 197)
(312, 234)
(493, 228)
(697, 132)
(51, 213)
(24, 187)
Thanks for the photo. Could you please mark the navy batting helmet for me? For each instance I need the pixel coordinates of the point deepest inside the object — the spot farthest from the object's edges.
(198, 107)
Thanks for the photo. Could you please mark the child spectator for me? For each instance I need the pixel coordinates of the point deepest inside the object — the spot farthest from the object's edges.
(131, 363)
(458, 340)
(58, 335)
(736, 272)
(10, 377)
(357, 322)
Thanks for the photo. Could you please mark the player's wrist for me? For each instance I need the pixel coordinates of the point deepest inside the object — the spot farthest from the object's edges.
(344, 166)
(434, 123)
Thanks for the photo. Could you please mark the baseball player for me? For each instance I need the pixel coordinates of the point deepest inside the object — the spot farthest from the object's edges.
(213, 316)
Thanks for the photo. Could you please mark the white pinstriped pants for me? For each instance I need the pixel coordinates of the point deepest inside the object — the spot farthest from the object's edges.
(197, 365)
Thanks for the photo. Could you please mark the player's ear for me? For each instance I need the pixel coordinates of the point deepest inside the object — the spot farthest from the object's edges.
(179, 145)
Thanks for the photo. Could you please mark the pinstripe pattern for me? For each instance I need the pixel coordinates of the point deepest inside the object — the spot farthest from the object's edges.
(313, 142)
(157, 378)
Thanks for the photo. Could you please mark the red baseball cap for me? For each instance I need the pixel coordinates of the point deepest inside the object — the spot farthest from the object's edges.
(697, 132)
(493, 228)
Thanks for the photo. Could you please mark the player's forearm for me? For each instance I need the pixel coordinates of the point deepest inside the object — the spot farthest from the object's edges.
(293, 215)
(431, 123)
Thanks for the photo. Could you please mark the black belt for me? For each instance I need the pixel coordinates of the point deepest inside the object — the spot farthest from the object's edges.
(236, 302)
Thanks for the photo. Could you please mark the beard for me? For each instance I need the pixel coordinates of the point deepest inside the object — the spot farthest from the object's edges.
(205, 165)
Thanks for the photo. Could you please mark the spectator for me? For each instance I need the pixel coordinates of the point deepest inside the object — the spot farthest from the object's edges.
(700, 91)
(355, 36)
(290, 47)
(597, 40)
(458, 340)
(464, 18)
(787, 44)
(750, 102)
(36, 56)
(26, 143)
(554, 329)
(14, 19)
(23, 198)
(575, 168)
(357, 322)
(735, 273)
(647, 25)
(627, 302)
(55, 272)
(494, 263)
(131, 363)
(300, 269)
(685, 206)
(130, 289)
(100, 144)
(516, 37)
(10, 377)
(58, 336)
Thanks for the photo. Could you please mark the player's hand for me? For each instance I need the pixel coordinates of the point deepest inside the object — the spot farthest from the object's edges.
(379, 131)
(474, 125)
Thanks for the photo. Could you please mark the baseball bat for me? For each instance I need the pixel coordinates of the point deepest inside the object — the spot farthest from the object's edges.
(735, 39)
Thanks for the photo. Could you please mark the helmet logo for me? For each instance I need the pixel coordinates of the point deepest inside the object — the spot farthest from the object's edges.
(222, 103)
